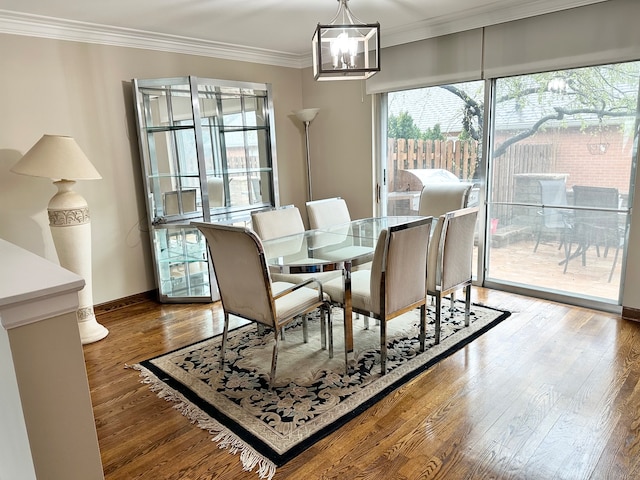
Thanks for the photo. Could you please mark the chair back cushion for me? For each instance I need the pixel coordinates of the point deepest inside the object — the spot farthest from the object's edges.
(241, 271)
(275, 223)
(553, 192)
(327, 212)
(433, 262)
(401, 255)
(439, 198)
(377, 264)
(602, 197)
(456, 247)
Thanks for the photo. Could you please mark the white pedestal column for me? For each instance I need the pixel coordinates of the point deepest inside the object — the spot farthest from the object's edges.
(71, 230)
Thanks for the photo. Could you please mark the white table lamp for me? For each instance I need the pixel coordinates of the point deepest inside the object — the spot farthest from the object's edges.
(61, 159)
(306, 116)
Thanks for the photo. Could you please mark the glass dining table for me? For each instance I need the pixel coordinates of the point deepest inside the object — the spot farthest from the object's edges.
(331, 249)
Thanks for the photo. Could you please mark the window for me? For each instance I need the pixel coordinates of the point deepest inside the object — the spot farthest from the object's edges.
(560, 167)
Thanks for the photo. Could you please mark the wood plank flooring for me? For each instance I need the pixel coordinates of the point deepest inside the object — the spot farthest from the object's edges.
(551, 393)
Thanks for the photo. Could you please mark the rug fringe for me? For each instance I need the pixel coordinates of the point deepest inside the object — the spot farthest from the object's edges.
(224, 438)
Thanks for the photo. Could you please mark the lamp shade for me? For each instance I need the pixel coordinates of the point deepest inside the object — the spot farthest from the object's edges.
(56, 157)
(306, 114)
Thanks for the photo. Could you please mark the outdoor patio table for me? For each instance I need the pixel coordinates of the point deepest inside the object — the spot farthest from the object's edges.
(338, 247)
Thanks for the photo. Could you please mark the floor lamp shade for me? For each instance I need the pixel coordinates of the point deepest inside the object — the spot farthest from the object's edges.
(306, 116)
(61, 159)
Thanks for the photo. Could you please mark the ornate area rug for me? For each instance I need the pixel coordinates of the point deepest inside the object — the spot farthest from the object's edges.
(312, 396)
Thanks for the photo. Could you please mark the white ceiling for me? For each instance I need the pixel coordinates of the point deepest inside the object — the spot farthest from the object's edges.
(268, 28)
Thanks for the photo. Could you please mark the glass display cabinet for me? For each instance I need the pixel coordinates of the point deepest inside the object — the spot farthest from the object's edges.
(208, 154)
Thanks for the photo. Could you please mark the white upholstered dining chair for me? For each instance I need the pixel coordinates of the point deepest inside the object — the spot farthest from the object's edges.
(246, 289)
(333, 213)
(439, 198)
(277, 222)
(451, 258)
(327, 212)
(396, 282)
(283, 222)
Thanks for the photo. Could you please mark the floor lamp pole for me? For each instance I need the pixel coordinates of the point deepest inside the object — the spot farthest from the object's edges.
(306, 116)
(309, 190)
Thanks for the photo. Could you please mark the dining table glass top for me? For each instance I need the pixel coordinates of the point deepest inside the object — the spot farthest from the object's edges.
(335, 248)
(329, 247)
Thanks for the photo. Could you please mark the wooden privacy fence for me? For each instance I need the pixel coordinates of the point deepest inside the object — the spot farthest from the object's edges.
(458, 157)
(507, 171)
(461, 158)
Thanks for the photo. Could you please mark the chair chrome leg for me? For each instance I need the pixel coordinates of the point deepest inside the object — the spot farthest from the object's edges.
(305, 329)
(383, 347)
(438, 311)
(467, 305)
(330, 327)
(225, 331)
(274, 360)
(452, 304)
(423, 327)
(323, 328)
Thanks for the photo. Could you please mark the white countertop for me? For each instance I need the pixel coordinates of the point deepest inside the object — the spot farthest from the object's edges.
(33, 288)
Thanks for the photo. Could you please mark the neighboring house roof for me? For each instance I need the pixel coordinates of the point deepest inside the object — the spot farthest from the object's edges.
(433, 105)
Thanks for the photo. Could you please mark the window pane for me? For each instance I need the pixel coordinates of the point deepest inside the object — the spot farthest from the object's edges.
(432, 138)
(435, 136)
(561, 163)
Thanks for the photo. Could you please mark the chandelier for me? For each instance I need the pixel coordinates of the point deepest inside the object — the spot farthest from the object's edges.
(346, 48)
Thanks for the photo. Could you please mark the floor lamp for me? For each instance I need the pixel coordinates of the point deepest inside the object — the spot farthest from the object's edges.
(61, 159)
(306, 116)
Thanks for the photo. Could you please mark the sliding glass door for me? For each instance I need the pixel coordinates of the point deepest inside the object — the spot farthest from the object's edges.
(561, 161)
(559, 173)
(433, 136)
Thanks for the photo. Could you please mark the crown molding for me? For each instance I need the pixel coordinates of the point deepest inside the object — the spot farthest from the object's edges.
(504, 11)
(15, 23)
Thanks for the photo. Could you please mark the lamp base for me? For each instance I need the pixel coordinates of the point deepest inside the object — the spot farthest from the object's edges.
(70, 226)
(90, 330)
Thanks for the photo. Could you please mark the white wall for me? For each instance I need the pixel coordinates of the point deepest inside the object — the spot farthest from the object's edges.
(15, 454)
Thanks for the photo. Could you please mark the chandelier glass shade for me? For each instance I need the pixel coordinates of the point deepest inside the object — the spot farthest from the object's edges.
(346, 48)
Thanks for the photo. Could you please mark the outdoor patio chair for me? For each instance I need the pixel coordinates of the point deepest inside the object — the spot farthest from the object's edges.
(553, 220)
(396, 283)
(450, 259)
(595, 227)
(246, 289)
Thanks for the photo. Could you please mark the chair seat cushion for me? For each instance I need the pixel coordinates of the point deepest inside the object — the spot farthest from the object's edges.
(360, 296)
(289, 304)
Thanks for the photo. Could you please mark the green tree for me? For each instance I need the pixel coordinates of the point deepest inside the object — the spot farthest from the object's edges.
(582, 95)
(403, 126)
(434, 133)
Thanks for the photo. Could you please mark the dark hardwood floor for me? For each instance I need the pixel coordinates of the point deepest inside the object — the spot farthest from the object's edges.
(551, 393)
